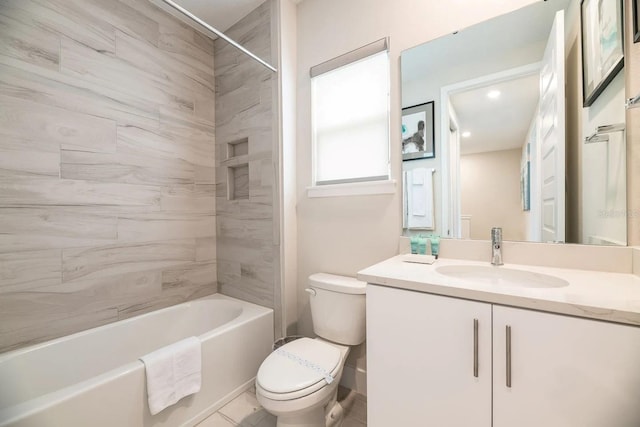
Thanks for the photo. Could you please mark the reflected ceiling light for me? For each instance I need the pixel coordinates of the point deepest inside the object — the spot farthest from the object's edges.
(493, 94)
(466, 134)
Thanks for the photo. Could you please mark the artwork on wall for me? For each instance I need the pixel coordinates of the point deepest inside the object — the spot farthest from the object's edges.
(602, 50)
(525, 178)
(636, 21)
(418, 132)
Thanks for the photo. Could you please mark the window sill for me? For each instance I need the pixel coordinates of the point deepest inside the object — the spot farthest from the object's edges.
(352, 189)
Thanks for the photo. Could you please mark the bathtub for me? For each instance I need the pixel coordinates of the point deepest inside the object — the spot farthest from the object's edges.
(94, 378)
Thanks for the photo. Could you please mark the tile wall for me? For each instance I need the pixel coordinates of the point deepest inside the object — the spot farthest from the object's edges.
(107, 166)
(246, 165)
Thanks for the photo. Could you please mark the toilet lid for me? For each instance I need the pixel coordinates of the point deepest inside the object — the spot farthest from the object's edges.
(298, 365)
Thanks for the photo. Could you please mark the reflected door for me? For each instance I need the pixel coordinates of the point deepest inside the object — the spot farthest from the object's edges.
(551, 120)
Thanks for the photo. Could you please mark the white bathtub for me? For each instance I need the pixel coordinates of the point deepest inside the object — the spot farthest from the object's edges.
(94, 378)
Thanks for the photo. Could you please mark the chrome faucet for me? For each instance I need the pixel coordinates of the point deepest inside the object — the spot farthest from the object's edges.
(496, 246)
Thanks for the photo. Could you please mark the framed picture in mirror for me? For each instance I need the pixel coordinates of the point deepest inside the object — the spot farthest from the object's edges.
(525, 178)
(418, 133)
(636, 21)
(602, 49)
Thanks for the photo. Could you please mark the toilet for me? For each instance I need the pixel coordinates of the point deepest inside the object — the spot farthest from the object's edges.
(298, 382)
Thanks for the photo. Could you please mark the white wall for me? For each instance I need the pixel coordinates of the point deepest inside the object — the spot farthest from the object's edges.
(287, 26)
(604, 169)
(490, 193)
(632, 88)
(345, 234)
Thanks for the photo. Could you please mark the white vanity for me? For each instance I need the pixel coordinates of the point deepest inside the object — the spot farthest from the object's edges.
(462, 343)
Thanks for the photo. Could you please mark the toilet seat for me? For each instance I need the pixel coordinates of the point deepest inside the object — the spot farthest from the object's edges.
(299, 368)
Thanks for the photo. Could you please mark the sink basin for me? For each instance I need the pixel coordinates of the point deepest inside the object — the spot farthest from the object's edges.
(501, 276)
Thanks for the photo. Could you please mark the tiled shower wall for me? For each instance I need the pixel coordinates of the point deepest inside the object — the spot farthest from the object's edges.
(107, 156)
(247, 231)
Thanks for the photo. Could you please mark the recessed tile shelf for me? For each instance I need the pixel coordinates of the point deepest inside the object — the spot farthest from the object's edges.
(238, 148)
(237, 164)
(238, 181)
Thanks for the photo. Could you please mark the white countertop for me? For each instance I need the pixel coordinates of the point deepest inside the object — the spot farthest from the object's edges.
(613, 297)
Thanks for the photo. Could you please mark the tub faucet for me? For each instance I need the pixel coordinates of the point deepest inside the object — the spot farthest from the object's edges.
(496, 246)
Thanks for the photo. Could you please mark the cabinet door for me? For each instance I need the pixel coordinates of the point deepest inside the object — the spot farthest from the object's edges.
(420, 360)
(565, 371)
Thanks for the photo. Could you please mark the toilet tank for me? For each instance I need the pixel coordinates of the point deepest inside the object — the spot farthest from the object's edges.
(338, 308)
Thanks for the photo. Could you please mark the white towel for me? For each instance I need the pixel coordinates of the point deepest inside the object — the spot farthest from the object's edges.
(418, 176)
(418, 203)
(418, 198)
(173, 372)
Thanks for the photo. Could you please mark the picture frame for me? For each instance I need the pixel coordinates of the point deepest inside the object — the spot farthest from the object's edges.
(525, 178)
(636, 20)
(602, 45)
(418, 133)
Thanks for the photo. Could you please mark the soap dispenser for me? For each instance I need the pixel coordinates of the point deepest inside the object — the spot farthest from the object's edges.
(435, 245)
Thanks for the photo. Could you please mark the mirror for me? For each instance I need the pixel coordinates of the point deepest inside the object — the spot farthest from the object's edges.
(216, 18)
(514, 146)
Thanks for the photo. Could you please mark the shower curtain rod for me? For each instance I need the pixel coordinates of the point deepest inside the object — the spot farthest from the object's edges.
(218, 33)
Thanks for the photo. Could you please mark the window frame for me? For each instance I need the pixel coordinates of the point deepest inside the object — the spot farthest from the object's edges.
(375, 184)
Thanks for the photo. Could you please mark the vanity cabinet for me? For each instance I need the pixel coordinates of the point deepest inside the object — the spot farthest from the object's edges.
(564, 371)
(420, 360)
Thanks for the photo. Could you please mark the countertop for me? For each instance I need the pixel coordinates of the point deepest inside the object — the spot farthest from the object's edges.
(612, 297)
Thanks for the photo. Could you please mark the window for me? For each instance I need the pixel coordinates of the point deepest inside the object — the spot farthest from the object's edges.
(350, 117)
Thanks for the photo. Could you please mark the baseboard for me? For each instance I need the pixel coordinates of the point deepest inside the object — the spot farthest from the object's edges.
(354, 379)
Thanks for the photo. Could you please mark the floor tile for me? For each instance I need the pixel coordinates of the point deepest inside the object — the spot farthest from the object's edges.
(252, 389)
(350, 422)
(245, 411)
(260, 418)
(358, 411)
(354, 404)
(216, 420)
(241, 407)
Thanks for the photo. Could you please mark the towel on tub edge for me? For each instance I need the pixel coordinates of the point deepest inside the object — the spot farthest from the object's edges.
(173, 372)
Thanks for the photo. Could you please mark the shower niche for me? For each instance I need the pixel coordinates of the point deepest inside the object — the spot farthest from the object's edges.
(237, 164)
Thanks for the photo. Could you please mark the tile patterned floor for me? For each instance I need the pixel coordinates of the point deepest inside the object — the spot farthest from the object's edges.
(245, 411)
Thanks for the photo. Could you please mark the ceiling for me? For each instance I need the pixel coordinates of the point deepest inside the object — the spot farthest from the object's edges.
(496, 124)
(220, 14)
(479, 42)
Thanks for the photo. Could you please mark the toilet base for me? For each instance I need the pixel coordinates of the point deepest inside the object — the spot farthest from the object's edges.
(334, 416)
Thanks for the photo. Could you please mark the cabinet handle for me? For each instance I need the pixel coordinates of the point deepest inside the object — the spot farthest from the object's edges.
(475, 348)
(508, 356)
